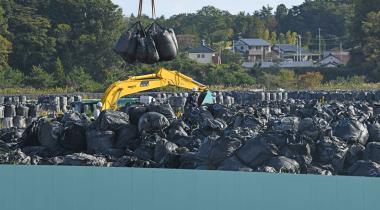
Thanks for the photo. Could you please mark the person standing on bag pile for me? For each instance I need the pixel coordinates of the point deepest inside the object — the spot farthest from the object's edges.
(97, 111)
(192, 99)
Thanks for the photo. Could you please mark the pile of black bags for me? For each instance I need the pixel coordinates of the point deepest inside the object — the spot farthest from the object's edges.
(147, 45)
(289, 136)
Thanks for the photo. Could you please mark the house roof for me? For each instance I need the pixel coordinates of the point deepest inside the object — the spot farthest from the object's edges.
(328, 56)
(289, 48)
(255, 42)
(202, 49)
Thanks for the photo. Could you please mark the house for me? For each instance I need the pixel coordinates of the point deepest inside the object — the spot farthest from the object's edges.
(204, 54)
(254, 50)
(290, 52)
(342, 55)
(330, 61)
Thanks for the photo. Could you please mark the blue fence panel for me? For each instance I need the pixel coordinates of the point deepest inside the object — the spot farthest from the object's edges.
(79, 188)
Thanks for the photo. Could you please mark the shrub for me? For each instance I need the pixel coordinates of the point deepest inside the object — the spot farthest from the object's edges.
(11, 78)
(310, 80)
(40, 78)
(80, 80)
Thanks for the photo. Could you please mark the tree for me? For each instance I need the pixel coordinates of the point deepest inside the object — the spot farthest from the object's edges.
(5, 44)
(40, 78)
(281, 12)
(307, 39)
(59, 73)
(361, 9)
(293, 39)
(229, 57)
(273, 37)
(371, 45)
(82, 81)
(266, 35)
(11, 78)
(288, 37)
(86, 35)
(33, 45)
(282, 38)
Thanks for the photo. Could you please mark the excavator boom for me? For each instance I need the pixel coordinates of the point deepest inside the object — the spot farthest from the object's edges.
(142, 83)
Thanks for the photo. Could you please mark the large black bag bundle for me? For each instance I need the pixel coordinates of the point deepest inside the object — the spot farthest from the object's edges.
(112, 120)
(126, 46)
(256, 152)
(146, 50)
(165, 40)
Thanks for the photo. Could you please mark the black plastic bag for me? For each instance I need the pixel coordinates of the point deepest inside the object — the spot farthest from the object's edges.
(127, 137)
(164, 109)
(146, 49)
(284, 165)
(81, 159)
(152, 122)
(99, 141)
(74, 138)
(215, 150)
(135, 112)
(112, 120)
(126, 46)
(50, 133)
(372, 152)
(374, 132)
(351, 131)
(165, 40)
(256, 152)
(365, 168)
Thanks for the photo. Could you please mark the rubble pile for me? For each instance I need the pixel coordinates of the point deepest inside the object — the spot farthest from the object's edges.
(284, 136)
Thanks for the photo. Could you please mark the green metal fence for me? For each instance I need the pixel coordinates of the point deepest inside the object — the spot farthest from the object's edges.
(79, 188)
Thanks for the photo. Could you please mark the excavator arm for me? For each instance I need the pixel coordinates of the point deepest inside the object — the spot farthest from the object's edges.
(138, 84)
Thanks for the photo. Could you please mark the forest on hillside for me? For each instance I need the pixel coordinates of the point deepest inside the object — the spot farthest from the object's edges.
(54, 43)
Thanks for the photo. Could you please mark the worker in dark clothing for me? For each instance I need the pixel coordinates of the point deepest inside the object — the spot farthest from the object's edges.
(192, 99)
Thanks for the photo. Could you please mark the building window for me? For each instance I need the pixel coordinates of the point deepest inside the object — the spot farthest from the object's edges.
(199, 56)
(203, 55)
(242, 48)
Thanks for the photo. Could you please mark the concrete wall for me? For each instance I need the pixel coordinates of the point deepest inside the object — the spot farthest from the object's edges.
(79, 188)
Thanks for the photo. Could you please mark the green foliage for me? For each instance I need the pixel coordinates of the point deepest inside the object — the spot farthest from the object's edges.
(33, 45)
(229, 57)
(371, 45)
(39, 78)
(82, 81)
(5, 44)
(310, 80)
(59, 73)
(11, 78)
(75, 47)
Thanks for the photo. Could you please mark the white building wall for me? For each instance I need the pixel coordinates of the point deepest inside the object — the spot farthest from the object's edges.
(206, 59)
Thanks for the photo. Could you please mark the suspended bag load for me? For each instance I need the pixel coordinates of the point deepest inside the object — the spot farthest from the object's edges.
(146, 48)
(165, 40)
(126, 46)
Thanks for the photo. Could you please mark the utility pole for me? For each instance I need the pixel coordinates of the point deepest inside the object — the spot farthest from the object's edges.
(297, 48)
(300, 37)
(341, 51)
(319, 35)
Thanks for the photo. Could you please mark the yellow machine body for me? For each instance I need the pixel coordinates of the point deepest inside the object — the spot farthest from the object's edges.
(142, 83)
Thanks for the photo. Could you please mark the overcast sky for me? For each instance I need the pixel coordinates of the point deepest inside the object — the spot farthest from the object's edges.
(171, 7)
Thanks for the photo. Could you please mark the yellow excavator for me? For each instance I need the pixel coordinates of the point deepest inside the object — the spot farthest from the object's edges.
(142, 83)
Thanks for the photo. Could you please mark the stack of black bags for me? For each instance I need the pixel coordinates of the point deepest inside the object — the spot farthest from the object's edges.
(147, 45)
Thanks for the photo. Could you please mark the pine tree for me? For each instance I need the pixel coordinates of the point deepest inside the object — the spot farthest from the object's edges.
(59, 73)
